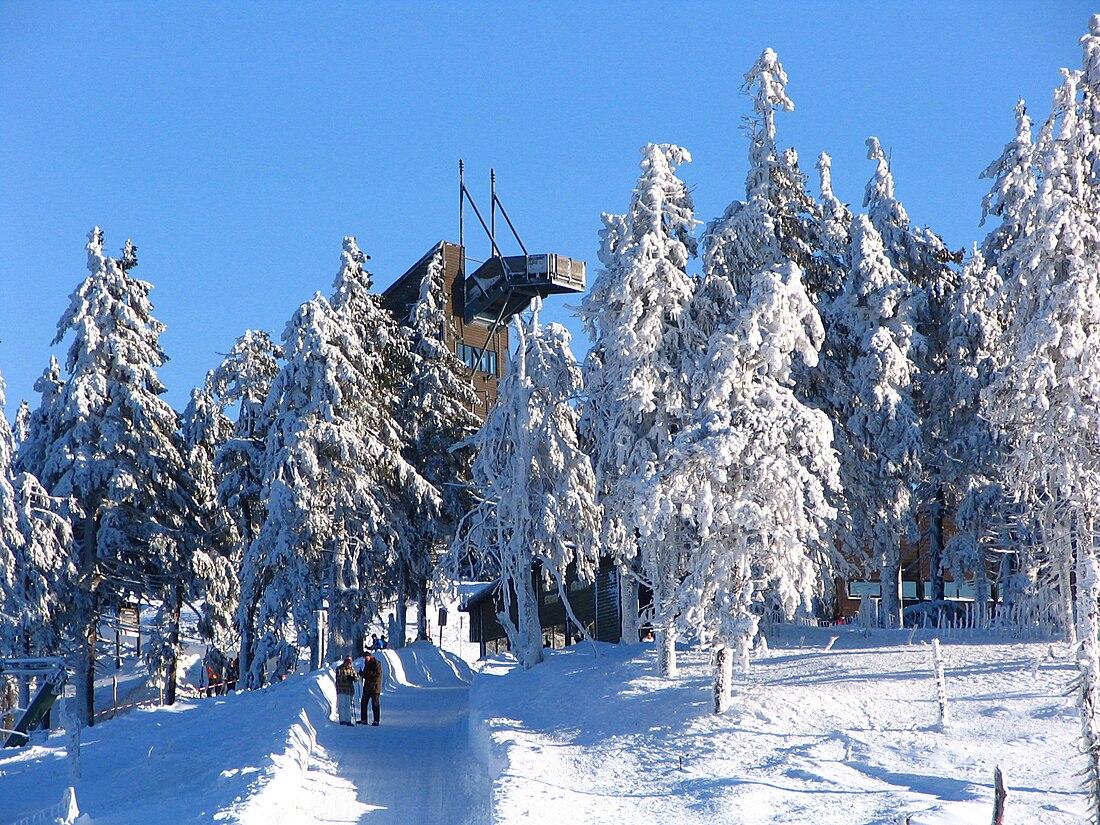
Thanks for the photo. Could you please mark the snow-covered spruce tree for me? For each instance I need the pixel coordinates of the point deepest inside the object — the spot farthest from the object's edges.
(777, 225)
(214, 574)
(536, 513)
(1045, 398)
(337, 486)
(401, 499)
(436, 412)
(11, 542)
(634, 376)
(922, 257)
(112, 444)
(874, 324)
(38, 428)
(243, 380)
(972, 450)
(778, 221)
(747, 477)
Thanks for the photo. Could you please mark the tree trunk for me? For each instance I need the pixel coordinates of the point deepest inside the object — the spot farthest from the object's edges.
(176, 608)
(525, 635)
(666, 652)
(1065, 590)
(664, 591)
(935, 545)
(422, 609)
(628, 607)
(89, 623)
(723, 677)
(890, 579)
(397, 633)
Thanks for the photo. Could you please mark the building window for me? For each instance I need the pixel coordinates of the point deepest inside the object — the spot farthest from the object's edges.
(469, 356)
(857, 590)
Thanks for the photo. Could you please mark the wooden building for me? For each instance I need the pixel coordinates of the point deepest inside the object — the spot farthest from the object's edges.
(596, 606)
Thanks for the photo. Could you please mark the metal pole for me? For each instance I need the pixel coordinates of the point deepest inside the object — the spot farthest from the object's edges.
(461, 206)
(493, 207)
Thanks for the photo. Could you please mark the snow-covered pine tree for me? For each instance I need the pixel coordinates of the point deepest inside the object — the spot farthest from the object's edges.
(401, 499)
(776, 226)
(436, 412)
(537, 514)
(922, 257)
(11, 541)
(778, 221)
(874, 322)
(1044, 398)
(38, 429)
(338, 489)
(634, 377)
(112, 444)
(45, 571)
(747, 477)
(214, 575)
(971, 473)
(243, 380)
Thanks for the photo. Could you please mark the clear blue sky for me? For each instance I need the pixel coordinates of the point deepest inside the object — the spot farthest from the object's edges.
(237, 144)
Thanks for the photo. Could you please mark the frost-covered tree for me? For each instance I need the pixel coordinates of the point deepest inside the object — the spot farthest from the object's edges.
(747, 477)
(38, 427)
(11, 541)
(44, 568)
(243, 381)
(110, 442)
(214, 570)
(339, 491)
(436, 412)
(874, 324)
(778, 221)
(536, 513)
(634, 378)
(922, 257)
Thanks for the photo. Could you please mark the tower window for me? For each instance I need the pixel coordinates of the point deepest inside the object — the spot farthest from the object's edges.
(469, 356)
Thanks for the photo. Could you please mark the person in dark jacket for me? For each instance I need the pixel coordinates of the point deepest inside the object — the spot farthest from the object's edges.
(372, 688)
(345, 689)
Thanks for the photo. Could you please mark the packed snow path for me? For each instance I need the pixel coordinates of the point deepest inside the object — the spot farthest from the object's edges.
(415, 767)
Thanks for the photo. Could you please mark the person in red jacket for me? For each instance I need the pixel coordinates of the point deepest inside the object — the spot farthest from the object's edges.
(372, 688)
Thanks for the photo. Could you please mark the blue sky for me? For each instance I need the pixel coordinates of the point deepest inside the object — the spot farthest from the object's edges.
(237, 144)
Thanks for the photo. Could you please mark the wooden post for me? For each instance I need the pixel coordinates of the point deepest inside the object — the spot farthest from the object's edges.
(999, 795)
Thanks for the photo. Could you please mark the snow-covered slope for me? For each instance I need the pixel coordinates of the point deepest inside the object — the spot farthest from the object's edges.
(846, 735)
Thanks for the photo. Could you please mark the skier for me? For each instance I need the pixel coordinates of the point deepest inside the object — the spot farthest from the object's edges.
(372, 688)
(345, 688)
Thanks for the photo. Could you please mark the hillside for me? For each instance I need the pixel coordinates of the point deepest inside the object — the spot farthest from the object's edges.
(845, 735)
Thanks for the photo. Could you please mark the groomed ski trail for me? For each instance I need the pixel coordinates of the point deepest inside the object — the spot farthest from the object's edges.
(416, 767)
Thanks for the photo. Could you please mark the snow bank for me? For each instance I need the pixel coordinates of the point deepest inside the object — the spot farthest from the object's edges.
(848, 734)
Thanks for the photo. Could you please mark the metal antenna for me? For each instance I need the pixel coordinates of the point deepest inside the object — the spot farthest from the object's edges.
(493, 207)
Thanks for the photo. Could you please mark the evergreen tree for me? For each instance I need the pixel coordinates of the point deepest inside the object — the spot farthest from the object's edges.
(1044, 398)
(636, 388)
(338, 489)
(874, 321)
(11, 542)
(746, 479)
(108, 440)
(214, 575)
(436, 412)
(243, 380)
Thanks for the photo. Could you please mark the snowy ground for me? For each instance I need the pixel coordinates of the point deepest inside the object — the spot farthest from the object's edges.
(847, 735)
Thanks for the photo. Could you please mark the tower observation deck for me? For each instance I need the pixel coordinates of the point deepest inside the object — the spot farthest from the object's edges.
(503, 286)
